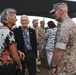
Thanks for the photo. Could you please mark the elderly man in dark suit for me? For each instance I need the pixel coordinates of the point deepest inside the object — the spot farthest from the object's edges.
(27, 43)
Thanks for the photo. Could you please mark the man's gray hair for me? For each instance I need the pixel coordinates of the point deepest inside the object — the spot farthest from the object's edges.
(24, 16)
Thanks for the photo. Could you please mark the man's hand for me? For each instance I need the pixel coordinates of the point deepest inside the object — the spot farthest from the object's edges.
(53, 71)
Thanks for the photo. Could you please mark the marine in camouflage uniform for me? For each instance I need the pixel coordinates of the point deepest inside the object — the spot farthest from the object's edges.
(66, 40)
(64, 59)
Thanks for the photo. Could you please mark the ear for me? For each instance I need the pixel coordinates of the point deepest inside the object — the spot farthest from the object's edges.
(60, 11)
(20, 21)
(28, 21)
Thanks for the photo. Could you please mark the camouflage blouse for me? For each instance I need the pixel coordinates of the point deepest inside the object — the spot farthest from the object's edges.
(66, 40)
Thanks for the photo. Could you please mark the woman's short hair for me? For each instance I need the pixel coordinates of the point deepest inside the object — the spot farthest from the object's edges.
(51, 24)
(6, 14)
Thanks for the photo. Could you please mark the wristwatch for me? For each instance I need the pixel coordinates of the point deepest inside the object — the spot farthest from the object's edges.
(53, 66)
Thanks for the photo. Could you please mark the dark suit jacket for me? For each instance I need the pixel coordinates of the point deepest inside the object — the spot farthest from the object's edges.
(20, 40)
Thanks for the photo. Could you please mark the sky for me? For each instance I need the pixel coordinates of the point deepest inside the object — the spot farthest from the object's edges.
(39, 19)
